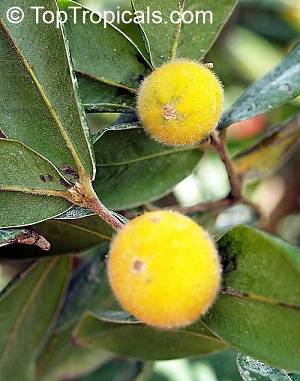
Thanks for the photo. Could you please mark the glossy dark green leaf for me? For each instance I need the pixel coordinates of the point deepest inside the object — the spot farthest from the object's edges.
(39, 107)
(25, 210)
(10, 272)
(167, 38)
(271, 152)
(88, 289)
(254, 370)
(25, 168)
(118, 370)
(120, 333)
(133, 165)
(78, 234)
(100, 97)
(258, 311)
(294, 377)
(65, 236)
(28, 311)
(278, 86)
(62, 359)
(38, 90)
(25, 172)
(25, 236)
(110, 66)
(209, 18)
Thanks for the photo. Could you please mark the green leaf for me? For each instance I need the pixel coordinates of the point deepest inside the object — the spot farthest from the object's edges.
(196, 38)
(120, 333)
(10, 272)
(271, 152)
(21, 209)
(25, 236)
(294, 377)
(65, 236)
(27, 172)
(45, 114)
(75, 235)
(110, 66)
(275, 88)
(120, 370)
(100, 97)
(63, 360)
(28, 311)
(46, 108)
(191, 38)
(258, 311)
(89, 288)
(135, 170)
(254, 370)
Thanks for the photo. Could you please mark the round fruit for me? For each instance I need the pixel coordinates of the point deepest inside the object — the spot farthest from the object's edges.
(180, 103)
(164, 269)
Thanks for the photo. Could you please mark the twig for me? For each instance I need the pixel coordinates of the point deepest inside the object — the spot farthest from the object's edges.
(235, 196)
(218, 141)
(106, 215)
(85, 196)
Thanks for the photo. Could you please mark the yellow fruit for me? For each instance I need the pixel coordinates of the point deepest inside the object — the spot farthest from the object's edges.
(180, 103)
(164, 269)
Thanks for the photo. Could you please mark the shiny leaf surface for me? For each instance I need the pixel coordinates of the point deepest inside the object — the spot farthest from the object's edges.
(136, 168)
(166, 36)
(272, 90)
(34, 300)
(258, 311)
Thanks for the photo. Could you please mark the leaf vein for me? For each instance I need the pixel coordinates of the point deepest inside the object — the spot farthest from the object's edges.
(148, 157)
(24, 310)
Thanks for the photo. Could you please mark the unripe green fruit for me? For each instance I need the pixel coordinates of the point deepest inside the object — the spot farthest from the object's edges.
(180, 103)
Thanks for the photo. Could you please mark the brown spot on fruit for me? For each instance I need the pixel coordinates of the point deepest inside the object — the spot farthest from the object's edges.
(168, 112)
(155, 218)
(138, 266)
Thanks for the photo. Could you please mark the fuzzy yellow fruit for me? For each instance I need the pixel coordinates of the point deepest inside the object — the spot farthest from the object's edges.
(164, 269)
(180, 103)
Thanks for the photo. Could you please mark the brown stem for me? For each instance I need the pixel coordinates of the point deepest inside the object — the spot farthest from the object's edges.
(218, 141)
(235, 196)
(96, 205)
(85, 196)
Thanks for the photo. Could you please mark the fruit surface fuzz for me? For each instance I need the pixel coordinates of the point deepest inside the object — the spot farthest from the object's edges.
(164, 269)
(180, 103)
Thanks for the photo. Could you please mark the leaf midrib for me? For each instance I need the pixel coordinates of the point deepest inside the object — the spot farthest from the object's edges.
(149, 157)
(47, 102)
(83, 229)
(107, 81)
(174, 330)
(40, 192)
(259, 298)
(177, 32)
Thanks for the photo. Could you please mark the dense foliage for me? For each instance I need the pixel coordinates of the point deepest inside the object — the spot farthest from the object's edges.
(65, 190)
